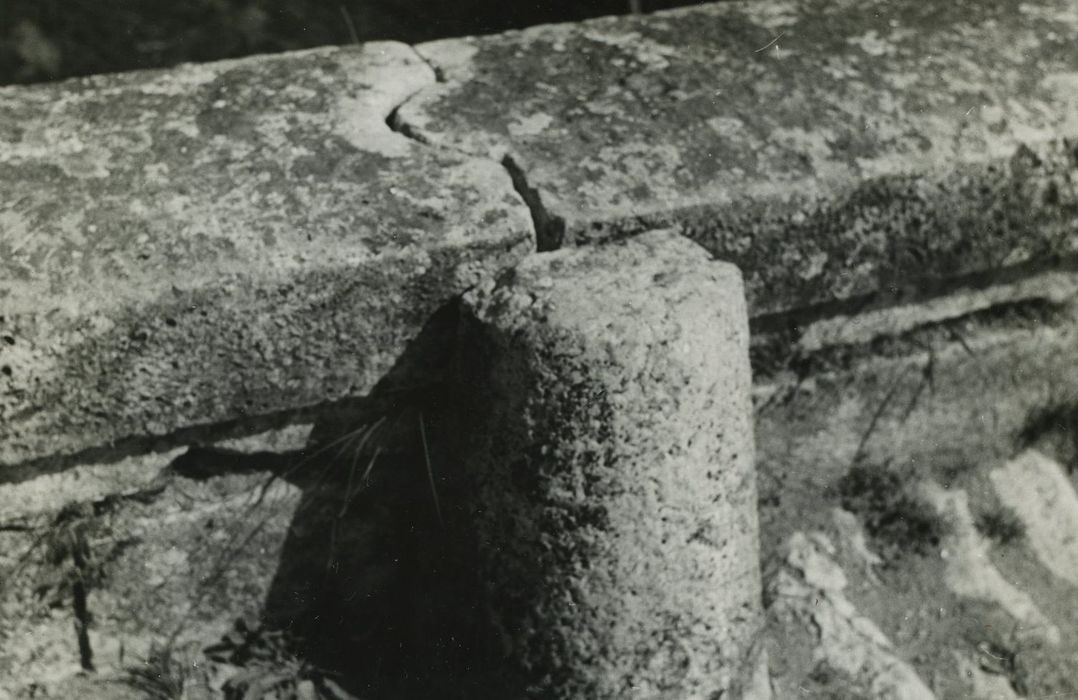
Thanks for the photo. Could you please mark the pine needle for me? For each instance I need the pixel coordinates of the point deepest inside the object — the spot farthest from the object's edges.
(430, 471)
(348, 21)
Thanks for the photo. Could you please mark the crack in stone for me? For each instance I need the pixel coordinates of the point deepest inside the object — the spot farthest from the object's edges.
(549, 229)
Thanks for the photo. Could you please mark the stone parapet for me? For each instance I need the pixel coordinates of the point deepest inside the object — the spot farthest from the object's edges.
(833, 150)
(188, 247)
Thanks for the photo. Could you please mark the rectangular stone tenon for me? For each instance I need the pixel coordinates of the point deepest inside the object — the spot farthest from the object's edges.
(604, 430)
(834, 150)
(192, 246)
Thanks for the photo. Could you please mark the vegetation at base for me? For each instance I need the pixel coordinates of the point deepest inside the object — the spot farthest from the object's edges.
(269, 667)
(893, 515)
(161, 676)
(832, 684)
(1001, 525)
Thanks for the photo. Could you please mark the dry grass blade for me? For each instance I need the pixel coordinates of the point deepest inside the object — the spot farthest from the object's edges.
(159, 677)
(430, 471)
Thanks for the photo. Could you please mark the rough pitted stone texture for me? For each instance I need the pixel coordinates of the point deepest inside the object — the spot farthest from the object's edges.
(831, 149)
(196, 245)
(607, 393)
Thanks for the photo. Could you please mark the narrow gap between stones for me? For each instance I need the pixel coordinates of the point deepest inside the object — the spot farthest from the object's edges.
(397, 126)
(771, 355)
(549, 229)
(248, 425)
(926, 290)
(208, 433)
(439, 74)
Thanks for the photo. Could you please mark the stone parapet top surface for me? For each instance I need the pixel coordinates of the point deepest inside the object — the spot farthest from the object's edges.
(191, 246)
(200, 245)
(832, 149)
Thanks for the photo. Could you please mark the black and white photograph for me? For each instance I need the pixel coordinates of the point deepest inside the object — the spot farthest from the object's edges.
(538, 349)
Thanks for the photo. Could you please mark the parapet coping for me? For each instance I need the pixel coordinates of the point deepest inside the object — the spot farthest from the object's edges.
(214, 244)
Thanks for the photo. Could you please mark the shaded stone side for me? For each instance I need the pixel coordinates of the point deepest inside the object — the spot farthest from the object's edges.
(604, 400)
(188, 247)
(831, 149)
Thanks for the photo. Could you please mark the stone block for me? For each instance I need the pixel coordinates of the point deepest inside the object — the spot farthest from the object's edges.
(214, 242)
(604, 399)
(833, 150)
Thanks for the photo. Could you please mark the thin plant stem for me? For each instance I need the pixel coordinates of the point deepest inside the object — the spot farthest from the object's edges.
(430, 471)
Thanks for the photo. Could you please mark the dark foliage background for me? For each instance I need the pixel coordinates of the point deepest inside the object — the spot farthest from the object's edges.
(52, 39)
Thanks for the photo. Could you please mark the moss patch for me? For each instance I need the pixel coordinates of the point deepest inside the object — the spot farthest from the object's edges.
(893, 515)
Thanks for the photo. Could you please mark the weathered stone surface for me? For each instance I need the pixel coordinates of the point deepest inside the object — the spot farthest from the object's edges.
(1040, 493)
(831, 149)
(605, 394)
(197, 245)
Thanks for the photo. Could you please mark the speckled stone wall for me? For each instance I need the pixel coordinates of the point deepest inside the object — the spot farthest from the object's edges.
(833, 150)
(225, 242)
(607, 440)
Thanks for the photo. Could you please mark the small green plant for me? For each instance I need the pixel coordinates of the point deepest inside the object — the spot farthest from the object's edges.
(833, 684)
(268, 667)
(161, 676)
(1001, 525)
(78, 550)
(892, 513)
(72, 568)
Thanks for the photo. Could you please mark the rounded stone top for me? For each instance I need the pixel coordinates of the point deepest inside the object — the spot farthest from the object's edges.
(577, 286)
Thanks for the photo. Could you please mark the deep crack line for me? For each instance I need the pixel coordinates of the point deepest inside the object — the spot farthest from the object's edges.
(549, 229)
